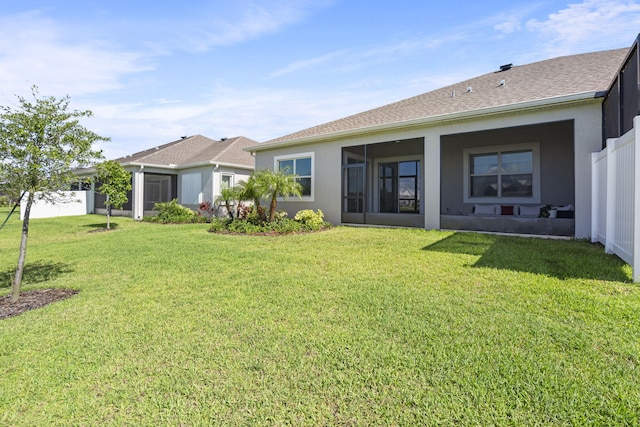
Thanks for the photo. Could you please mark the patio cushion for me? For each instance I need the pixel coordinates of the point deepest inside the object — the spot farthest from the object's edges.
(530, 210)
(506, 210)
(480, 209)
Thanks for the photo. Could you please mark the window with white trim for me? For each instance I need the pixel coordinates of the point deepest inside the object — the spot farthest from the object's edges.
(191, 188)
(300, 165)
(226, 181)
(509, 173)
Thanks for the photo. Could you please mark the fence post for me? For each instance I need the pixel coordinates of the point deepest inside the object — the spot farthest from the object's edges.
(610, 227)
(595, 196)
(635, 266)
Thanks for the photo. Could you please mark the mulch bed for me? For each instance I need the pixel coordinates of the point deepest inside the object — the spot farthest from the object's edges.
(31, 300)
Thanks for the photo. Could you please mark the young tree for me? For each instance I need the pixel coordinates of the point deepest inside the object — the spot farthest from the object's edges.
(247, 191)
(228, 195)
(41, 143)
(115, 183)
(272, 185)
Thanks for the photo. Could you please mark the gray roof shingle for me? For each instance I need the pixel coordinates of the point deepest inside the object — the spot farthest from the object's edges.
(196, 149)
(548, 79)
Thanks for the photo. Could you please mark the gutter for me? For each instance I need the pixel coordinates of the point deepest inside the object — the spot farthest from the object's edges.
(187, 166)
(432, 120)
(92, 170)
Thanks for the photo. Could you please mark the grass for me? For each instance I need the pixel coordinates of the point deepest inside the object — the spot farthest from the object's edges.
(351, 326)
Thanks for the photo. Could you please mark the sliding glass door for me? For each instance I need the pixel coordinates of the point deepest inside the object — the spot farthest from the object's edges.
(398, 186)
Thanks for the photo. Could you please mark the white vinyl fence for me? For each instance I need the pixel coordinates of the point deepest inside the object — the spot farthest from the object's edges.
(615, 218)
(67, 203)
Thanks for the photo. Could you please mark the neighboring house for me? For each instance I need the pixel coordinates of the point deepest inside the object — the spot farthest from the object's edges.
(192, 170)
(483, 154)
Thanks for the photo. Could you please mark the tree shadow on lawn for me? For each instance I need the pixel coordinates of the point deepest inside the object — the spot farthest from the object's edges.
(37, 272)
(100, 227)
(563, 259)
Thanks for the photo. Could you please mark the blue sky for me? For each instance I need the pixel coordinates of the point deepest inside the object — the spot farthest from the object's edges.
(152, 71)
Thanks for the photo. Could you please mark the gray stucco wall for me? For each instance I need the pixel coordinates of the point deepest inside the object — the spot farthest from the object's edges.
(557, 173)
(327, 171)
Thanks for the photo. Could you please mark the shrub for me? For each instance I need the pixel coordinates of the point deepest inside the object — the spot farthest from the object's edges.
(206, 210)
(173, 213)
(311, 220)
(282, 225)
(255, 215)
(219, 225)
(245, 226)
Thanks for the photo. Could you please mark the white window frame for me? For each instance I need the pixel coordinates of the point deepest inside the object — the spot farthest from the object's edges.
(231, 180)
(276, 164)
(534, 147)
(191, 188)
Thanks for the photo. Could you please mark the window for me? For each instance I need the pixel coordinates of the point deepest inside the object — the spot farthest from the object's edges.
(507, 173)
(300, 165)
(226, 181)
(81, 186)
(408, 179)
(191, 188)
(398, 185)
(157, 188)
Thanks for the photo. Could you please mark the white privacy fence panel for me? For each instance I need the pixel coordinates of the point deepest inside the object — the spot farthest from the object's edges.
(599, 197)
(66, 203)
(623, 200)
(615, 202)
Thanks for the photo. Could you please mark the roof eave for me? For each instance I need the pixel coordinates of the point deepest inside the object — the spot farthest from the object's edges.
(432, 120)
(187, 166)
(215, 163)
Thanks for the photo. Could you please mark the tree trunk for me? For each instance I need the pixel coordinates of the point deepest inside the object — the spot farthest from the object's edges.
(229, 211)
(17, 280)
(272, 209)
(108, 206)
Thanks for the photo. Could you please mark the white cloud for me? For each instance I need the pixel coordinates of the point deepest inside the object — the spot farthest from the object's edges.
(589, 25)
(308, 63)
(348, 60)
(509, 26)
(34, 52)
(257, 113)
(247, 20)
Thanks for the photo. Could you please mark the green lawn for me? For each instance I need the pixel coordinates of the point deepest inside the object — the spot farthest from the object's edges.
(351, 326)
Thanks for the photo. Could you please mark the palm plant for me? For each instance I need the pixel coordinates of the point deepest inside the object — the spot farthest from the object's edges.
(227, 196)
(272, 185)
(247, 191)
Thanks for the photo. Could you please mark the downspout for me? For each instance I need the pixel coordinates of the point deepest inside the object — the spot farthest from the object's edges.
(138, 199)
(365, 188)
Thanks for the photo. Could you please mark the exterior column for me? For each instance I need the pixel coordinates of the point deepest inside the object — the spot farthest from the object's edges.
(431, 182)
(137, 203)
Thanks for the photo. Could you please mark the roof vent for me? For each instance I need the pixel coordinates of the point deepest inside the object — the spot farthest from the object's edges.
(223, 139)
(184, 137)
(505, 67)
(469, 89)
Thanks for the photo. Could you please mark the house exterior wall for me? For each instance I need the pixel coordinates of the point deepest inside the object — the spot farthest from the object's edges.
(555, 142)
(237, 174)
(586, 117)
(195, 185)
(327, 167)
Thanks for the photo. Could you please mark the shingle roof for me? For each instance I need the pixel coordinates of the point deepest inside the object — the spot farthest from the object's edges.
(552, 78)
(195, 149)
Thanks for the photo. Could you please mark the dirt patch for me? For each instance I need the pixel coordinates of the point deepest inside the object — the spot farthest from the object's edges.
(31, 300)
